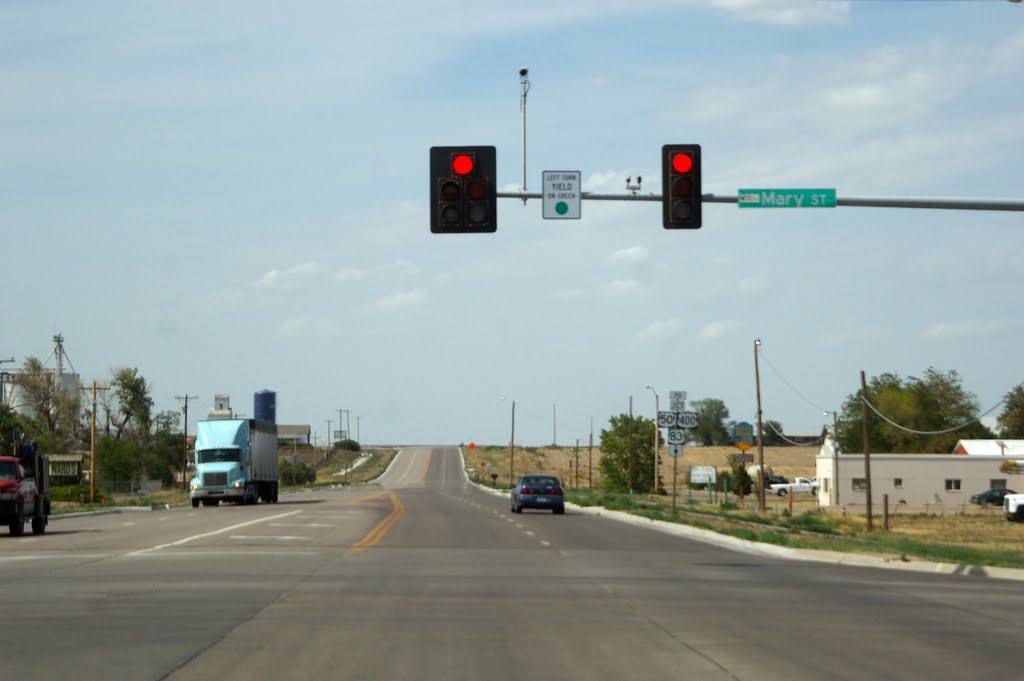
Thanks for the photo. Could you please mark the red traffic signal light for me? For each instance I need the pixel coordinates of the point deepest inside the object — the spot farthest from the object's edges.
(680, 182)
(463, 191)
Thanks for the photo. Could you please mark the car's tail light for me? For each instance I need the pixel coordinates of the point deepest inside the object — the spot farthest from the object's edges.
(556, 492)
(526, 490)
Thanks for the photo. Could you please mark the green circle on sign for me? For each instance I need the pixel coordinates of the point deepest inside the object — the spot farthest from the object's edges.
(561, 207)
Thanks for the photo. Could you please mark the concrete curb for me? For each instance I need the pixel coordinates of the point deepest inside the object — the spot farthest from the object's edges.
(809, 555)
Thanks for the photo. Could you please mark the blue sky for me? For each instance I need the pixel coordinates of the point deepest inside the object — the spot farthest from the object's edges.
(232, 196)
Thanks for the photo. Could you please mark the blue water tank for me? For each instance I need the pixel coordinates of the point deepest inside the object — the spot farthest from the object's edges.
(265, 407)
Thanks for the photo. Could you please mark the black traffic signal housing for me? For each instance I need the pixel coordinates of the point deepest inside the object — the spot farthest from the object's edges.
(680, 183)
(463, 191)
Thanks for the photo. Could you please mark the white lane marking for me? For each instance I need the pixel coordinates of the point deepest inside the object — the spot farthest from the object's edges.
(260, 536)
(128, 524)
(545, 543)
(530, 534)
(75, 557)
(300, 525)
(232, 528)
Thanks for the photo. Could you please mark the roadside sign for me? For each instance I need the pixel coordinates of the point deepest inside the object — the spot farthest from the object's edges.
(667, 419)
(686, 419)
(675, 451)
(743, 436)
(677, 395)
(745, 457)
(705, 474)
(786, 198)
(561, 195)
(676, 436)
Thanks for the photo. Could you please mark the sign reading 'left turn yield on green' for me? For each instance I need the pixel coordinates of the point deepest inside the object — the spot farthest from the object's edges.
(786, 198)
(561, 195)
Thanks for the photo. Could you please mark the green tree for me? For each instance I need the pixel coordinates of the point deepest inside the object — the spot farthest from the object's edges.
(773, 434)
(55, 408)
(628, 461)
(712, 428)
(1011, 420)
(935, 402)
(165, 448)
(116, 460)
(127, 405)
(11, 427)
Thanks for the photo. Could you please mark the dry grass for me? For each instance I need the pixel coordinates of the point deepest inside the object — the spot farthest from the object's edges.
(984, 531)
(561, 461)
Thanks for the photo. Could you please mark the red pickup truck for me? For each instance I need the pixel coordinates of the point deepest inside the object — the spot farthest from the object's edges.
(24, 493)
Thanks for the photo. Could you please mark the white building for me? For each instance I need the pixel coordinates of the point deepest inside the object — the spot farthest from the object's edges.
(929, 483)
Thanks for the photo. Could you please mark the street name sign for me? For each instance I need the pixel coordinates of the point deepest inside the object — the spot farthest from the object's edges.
(561, 195)
(786, 198)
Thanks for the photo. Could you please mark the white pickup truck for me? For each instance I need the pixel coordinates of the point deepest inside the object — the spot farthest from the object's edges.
(1013, 507)
(798, 485)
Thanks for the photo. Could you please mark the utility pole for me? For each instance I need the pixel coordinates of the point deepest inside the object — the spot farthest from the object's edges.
(554, 425)
(657, 408)
(867, 453)
(590, 457)
(359, 434)
(92, 445)
(330, 437)
(184, 431)
(511, 449)
(760, 434)
(632, 449)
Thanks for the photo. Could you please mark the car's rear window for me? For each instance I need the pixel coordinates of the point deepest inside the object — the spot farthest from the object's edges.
(541, 482)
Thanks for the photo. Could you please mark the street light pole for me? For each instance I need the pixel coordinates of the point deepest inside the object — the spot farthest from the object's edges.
(760, 434)
(657, 408)
(511, 448)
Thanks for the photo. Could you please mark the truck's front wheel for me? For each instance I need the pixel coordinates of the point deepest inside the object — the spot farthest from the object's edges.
(17, 524)
(195, 503)
(38, 521)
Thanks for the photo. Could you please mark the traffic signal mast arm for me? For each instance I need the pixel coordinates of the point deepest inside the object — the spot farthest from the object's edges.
(854, 201)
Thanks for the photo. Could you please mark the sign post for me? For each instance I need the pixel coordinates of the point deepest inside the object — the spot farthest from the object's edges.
(678, 421)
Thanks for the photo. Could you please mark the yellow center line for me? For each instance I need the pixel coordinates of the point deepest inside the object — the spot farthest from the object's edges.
(382, 528)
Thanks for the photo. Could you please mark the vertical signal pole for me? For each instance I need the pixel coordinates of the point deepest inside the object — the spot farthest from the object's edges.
(524, 87)
(760, 437)
(184, 431)
(867, 454)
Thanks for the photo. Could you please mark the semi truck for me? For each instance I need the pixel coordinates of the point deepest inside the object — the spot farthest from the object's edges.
(25, 490)
(236, 460)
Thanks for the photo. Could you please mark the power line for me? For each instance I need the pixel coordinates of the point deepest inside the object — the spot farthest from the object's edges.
(799, 394)
(933, 432)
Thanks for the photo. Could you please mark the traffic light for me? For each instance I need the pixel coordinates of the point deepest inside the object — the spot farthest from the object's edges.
(463, 193)
(680, 182)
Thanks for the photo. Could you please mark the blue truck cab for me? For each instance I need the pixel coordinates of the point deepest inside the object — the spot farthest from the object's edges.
(236, 460)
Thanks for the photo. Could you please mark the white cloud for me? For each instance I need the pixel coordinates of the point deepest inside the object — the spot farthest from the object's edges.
(785, 12)
(963, 329)
(715, 330)
(622, 286)
(659, 330)
(633, 255)
(291, 276)
(306, 326)
(350, 274)
(402, 299)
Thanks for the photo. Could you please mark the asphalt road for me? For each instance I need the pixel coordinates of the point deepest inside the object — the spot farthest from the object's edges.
(425, 577)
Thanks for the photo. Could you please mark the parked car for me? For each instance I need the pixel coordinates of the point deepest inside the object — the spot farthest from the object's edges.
(993, 497)
(538, 491)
